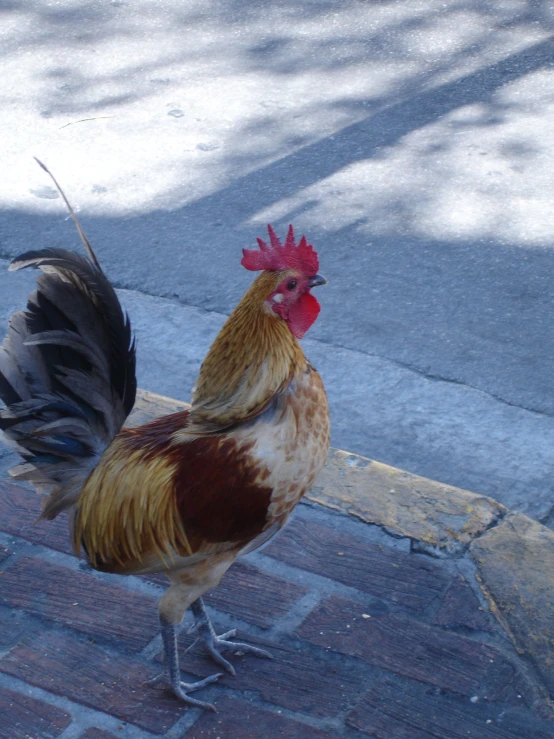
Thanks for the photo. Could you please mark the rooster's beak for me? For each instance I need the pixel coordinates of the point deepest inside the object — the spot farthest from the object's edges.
(317, 280)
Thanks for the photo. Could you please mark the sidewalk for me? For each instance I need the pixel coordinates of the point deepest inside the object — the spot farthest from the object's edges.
(394, 607)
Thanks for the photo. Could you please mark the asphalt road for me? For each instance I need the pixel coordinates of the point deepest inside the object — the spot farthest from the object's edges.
(413, 143)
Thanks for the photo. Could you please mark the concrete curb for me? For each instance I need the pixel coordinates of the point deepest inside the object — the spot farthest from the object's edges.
(513, 554)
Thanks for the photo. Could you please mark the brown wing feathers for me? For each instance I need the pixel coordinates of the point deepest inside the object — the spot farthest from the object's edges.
(154, 495)
(219, 491)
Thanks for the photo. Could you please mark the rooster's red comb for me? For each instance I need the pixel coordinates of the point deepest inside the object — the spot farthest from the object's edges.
(276, 256)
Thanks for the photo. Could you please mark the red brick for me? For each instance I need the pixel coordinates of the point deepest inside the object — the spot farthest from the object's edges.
(24, 717)
(20, 508)
(80, 601)
(87, 674)
(237, 720)
(406, 579)
(461, 607)
(298, 678)
(412, 649)
(408, 711)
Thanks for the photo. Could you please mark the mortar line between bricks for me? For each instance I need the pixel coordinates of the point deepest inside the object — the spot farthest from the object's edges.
(150, 651)
(190, 716)
(10, 559)
(20, 547)
(335, 724)
(319, 584)
(296, 614)
(82, 717)
(252, 698)
(7, 650)
(225, 621)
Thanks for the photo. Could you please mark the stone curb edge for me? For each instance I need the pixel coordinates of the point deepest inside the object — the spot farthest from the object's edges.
(513, 555)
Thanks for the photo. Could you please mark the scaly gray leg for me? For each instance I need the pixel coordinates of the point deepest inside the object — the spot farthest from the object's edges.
(211, 641)
(172, 674)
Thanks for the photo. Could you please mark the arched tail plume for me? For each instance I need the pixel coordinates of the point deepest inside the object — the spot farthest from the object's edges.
(67, 372)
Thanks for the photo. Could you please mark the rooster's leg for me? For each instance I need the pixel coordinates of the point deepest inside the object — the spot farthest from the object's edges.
(172, 674)
(214, 643)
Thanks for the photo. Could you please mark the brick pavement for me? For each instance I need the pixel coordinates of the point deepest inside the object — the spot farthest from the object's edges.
(370, 639)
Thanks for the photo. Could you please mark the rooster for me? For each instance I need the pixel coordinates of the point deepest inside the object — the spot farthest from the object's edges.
(187, 493)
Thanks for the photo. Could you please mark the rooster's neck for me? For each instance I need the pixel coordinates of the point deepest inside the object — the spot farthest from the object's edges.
(254, 357)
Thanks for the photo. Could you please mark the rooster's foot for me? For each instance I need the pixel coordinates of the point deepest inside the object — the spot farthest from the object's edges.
(181, 689)
(214, 643)
(171, 677)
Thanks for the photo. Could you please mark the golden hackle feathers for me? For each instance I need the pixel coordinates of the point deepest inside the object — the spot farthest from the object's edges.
(252, 359)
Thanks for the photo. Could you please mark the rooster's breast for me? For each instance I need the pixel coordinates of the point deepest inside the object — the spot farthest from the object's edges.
(291, 443)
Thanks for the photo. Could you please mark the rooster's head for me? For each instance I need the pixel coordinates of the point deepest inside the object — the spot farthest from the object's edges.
(294, 267)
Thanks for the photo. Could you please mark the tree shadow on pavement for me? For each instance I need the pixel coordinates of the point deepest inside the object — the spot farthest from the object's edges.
(469, 308)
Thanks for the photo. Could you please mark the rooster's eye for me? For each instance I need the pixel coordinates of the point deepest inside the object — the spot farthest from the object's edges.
(291, 285)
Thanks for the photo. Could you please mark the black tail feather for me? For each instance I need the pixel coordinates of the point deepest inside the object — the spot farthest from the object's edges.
(86, 243)
(67, 371)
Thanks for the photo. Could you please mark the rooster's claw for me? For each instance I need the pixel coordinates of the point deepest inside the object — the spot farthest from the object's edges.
(181, 689)
(171, 676)
(213, 643)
